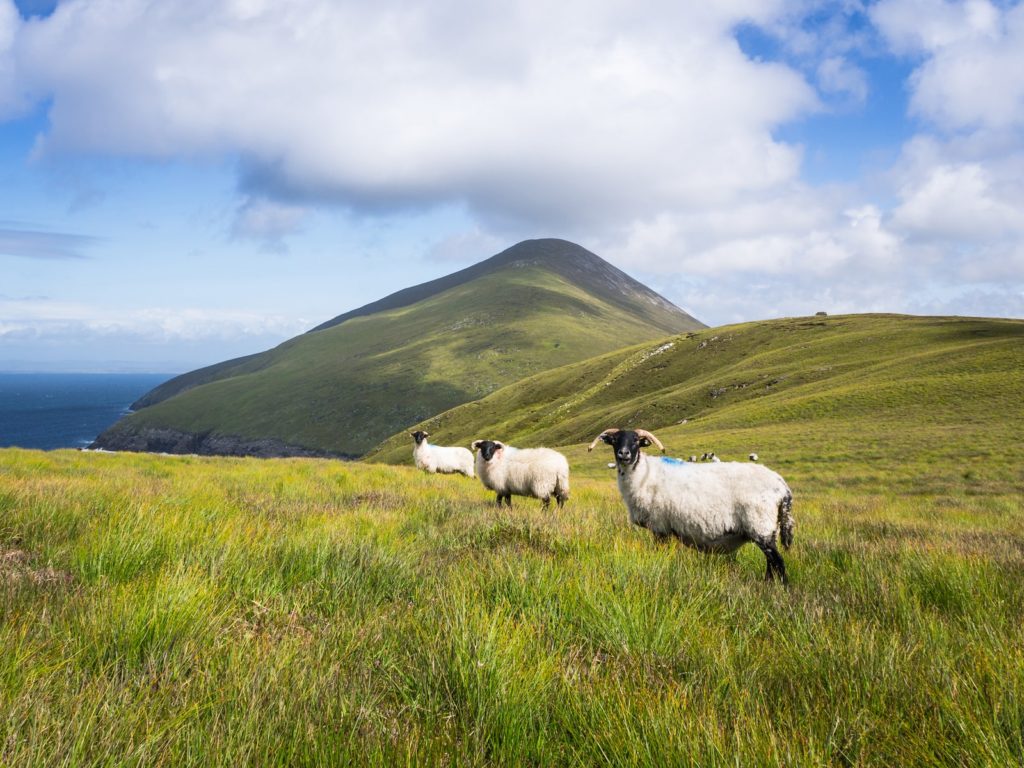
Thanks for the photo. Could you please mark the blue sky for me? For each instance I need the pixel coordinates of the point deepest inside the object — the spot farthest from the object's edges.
(181, 183)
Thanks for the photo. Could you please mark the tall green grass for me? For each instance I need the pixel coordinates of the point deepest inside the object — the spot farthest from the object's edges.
(185, 611)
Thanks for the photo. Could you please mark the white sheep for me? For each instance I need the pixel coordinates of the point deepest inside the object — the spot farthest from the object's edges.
(537, 472)
(711, 507)
(752, 457)
(440, 458)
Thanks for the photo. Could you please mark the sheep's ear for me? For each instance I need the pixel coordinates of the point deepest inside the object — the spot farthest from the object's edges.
(609, 439)
(644, 442)
(498, 444)
(476, 445)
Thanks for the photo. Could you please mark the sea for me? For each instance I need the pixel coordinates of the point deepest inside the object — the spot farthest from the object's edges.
(66, 410)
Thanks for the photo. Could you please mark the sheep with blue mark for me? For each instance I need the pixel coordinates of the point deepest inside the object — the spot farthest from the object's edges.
(715, 507)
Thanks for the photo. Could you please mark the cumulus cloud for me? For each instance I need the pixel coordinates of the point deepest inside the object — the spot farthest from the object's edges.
(974, 54)
(643, 131)
(839, 77)
(526, 111)
(957, 202)
(959, 186)
(12, 98)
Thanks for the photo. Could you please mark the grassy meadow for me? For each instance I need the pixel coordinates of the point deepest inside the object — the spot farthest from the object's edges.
(188, 611)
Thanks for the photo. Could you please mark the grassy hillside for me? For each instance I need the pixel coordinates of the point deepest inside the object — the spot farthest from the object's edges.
(860, 391)
(343, 389)
(174, 611)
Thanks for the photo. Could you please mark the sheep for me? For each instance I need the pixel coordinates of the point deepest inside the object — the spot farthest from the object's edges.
(712, 508)
(752, 457)
(537, 472)
(439, 458)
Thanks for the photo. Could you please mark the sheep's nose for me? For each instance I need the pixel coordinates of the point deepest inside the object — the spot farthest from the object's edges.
(623, 453)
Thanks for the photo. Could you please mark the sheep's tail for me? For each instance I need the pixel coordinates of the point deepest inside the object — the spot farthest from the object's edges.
(562, 486)
(786, 519)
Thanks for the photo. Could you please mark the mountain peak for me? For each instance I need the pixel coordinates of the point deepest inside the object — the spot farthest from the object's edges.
(532, 307)
(567, 259)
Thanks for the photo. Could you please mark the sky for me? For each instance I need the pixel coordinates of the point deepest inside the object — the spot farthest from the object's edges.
(185, 181)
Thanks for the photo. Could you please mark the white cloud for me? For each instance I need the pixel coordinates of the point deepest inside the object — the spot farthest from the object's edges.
(840, 77)
(531, 112)
(957, 202)
(641, 130)
(35, 319)
(972, 75)
(12, 99)
(914, 26)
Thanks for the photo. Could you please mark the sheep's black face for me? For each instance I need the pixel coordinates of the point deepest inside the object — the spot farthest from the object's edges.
(419, 436)
(488, 448)
(627, 445)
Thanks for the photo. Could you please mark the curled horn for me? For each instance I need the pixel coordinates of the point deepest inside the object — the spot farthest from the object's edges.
(606, 432)
(652, 438)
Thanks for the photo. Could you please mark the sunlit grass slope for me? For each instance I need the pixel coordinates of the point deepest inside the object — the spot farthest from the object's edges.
(346, 388)
(859, 392)
(173, 611)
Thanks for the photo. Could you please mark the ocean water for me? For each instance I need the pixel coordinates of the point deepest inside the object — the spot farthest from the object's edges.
(66, 410)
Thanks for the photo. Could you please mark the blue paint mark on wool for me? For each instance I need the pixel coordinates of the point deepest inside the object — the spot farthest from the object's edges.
(669, 460)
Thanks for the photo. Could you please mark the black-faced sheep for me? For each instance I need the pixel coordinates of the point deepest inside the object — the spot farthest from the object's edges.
(715, 507)
(439, 458)
(538, 472)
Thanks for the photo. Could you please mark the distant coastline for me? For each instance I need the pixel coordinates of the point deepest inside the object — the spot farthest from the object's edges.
(66, 410)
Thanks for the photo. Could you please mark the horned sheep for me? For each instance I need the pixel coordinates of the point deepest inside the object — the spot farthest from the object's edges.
(538, 472)
(439, 458)
(715, 507)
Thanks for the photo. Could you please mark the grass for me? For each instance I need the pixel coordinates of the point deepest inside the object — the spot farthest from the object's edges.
(187, 611)
(860, 389)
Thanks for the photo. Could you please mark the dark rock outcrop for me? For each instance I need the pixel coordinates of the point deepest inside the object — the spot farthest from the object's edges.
(165, 440)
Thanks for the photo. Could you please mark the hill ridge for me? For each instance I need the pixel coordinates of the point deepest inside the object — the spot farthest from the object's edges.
(345, 387)
(561, 256)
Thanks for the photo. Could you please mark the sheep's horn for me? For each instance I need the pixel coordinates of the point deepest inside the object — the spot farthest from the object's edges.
(599, 437)
(652, 438)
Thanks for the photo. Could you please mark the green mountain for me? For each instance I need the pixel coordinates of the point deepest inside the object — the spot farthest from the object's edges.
(866, 390)
(349, 383)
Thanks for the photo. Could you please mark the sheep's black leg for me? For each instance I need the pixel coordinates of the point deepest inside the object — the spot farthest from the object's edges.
(508, 500)
(499, 498)
(775, 567)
